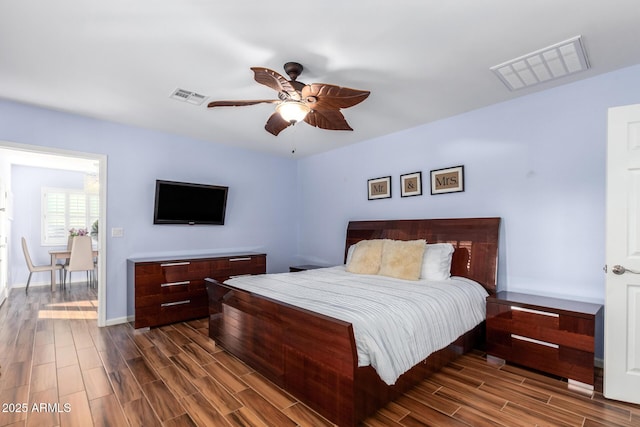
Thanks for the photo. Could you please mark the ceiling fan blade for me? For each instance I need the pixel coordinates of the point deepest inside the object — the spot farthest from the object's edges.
(276, 124)
(327, 119)
(241, 103)
(275, 81)
(322, 96)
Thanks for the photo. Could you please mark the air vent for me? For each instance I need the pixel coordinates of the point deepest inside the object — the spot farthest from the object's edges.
(188, 96)
(558, 60)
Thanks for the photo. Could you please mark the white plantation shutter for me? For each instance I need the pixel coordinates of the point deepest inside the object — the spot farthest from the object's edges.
(77, 210)
(54, 223)
(93, 209)
(63, 209)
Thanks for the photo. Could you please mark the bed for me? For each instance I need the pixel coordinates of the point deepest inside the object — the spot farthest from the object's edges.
(315, 356)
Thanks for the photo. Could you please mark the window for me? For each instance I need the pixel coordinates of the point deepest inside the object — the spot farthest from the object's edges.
(63, 209)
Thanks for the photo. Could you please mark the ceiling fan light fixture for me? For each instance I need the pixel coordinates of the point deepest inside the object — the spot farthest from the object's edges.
(293, 111)
(317, 104)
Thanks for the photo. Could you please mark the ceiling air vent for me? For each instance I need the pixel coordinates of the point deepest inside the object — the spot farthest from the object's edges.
(543, 65)
(188, 96)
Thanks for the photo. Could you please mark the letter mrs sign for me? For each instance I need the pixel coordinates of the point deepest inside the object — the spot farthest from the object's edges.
(449, 180)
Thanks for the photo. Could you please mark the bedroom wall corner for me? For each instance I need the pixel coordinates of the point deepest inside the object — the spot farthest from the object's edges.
(538, 162)
(259, 216)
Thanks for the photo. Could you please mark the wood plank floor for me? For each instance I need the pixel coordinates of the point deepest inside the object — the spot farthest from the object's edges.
(58, 368)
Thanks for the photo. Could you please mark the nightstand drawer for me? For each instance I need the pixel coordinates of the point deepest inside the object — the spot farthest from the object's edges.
(552, 358)
(547, 334)
(562, 329)
(534, 319)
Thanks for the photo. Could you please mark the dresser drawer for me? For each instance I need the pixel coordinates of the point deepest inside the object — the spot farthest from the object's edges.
(177, 271)
(223, 269)
(191, 307)
(157, 278)
(173, 290)
(188, 306)
(182, 286)
(247, 265)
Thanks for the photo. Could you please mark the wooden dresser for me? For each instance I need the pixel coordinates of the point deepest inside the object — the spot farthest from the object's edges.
(171, 289)
(552, 335)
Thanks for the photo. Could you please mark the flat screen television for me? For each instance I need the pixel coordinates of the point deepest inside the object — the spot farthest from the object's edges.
(188, 203)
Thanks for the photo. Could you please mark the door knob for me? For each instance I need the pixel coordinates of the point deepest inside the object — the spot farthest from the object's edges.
(618, 269)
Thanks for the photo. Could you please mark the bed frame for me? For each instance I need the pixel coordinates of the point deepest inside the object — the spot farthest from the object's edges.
(313, 356)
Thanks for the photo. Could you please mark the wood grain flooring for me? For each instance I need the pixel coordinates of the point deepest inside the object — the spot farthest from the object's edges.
(59, 369)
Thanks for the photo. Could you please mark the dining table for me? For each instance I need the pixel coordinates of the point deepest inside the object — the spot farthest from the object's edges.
(57, 254)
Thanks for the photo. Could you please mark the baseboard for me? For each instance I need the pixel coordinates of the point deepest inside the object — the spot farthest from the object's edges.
(41, 284)
(119, 320)
(31, 285)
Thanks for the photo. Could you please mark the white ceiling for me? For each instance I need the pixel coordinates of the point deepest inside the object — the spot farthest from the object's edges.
(120, 60)
(14, 156)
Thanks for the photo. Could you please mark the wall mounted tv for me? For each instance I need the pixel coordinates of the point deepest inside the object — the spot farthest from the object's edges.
(188, 203)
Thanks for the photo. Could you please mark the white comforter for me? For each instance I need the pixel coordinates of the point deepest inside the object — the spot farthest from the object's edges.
(396, 323)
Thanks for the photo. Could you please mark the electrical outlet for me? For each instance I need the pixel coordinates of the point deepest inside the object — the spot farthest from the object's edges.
(117, 232)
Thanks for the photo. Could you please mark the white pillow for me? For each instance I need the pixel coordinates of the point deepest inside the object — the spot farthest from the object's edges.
(436, 261)
(350, 253)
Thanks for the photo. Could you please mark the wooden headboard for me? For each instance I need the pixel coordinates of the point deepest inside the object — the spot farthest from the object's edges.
(475, 241)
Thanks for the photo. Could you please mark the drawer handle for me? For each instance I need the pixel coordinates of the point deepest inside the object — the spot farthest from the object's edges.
(169, 304)
(173, 264)
(164, 285)
(534, 341)
(528, 310)
(240, 259)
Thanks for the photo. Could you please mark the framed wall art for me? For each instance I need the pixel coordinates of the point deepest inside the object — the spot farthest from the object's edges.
(379, 188)
(448, 180)
(411, 184)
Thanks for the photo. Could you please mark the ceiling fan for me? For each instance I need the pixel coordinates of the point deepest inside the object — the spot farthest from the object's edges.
(318, 104)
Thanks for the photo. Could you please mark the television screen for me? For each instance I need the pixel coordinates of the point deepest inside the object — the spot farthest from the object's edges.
(187, 203)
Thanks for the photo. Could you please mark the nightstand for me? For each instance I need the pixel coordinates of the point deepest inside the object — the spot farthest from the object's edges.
(551, 335)
(305, 267)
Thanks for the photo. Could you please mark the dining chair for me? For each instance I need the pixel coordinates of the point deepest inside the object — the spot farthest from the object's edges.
(37, 268)
(81, 258)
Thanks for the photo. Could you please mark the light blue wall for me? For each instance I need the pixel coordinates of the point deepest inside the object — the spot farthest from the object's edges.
(26, 184)
(259, 216)
(536, 161)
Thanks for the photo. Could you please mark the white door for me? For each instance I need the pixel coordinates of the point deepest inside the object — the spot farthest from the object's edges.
(622, 300)
(3, 242)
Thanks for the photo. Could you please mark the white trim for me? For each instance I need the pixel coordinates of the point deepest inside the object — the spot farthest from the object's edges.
(598, 362)
(580, 387)
(120, 320)
(46, 283)
(102, 242)
(31, 285)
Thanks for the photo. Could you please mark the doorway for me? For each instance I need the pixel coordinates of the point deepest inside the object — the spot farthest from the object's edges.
(65, 160)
